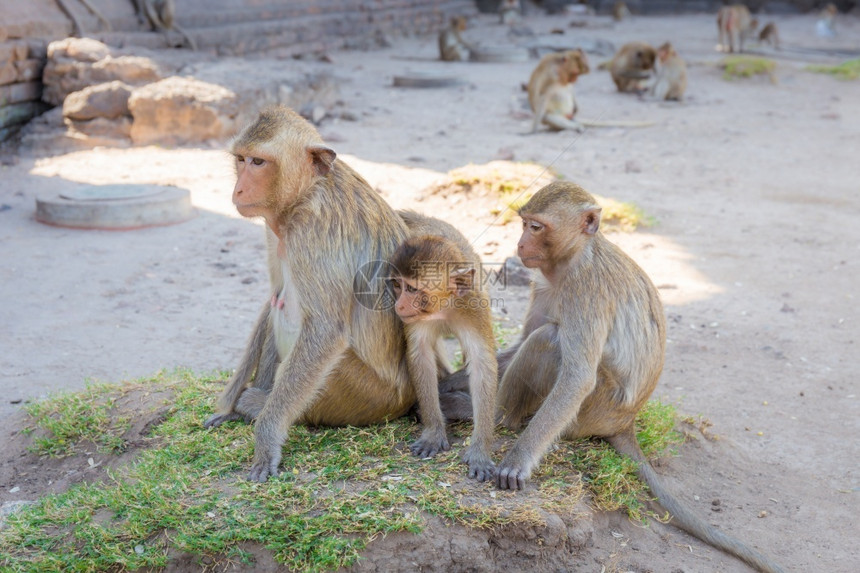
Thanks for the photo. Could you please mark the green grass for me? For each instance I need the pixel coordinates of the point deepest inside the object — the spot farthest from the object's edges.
(847, 70)
(184, 488)
(739, 67)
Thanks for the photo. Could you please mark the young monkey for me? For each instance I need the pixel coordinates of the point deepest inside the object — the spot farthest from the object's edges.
(438, 287)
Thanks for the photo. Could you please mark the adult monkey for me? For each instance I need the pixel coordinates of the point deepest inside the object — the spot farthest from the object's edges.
(591, 351)
(341, 362)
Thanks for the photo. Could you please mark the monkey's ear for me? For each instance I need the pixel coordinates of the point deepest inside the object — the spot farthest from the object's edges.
(461, 281)
(591, 220)
(322, 158)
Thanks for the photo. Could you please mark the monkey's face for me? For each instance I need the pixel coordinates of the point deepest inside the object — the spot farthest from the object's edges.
(413, 303)
(646, 58)
(573, 65)
(533, 244)
(255, 177)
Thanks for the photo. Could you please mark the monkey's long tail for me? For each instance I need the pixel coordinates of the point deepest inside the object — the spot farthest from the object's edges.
(615, 123)
(685, 519)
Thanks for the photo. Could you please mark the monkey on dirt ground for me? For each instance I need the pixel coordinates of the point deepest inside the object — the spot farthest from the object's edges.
(591, 351)
(735, 25)
(769, 35)
(161, 15)
(670, 78)
(452, 46)
(550, 88)
(439, 290)
(632, 65)
(620, 11)
(342, 359)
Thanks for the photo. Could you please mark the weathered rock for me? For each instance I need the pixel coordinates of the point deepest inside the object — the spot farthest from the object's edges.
(107, 131)
(108, 100)
(176, 110)
(516, 274)
(76, 63)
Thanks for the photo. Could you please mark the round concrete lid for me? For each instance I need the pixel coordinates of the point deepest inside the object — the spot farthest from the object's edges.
(499, 54)
(110, 192)
(425, 80)
(115, 207)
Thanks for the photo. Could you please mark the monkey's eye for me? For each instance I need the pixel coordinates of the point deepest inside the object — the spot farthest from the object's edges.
(394, 284)
(240, 158)
(257, 161)
(411, 289)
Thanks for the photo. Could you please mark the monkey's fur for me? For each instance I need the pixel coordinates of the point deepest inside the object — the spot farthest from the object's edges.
(735, 25)
(340, 362)
(440, 292)
(452, 46)
(631, 65)
(670, 78)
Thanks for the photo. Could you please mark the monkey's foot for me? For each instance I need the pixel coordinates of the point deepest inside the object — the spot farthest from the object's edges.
(216, 420)
(511, 476)
(430, 443)
(481, 467)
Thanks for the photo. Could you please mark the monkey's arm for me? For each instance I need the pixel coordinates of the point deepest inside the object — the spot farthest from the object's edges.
(321, 342)
(580, 343)
(250, 360)
(423, 371)
(635, 74)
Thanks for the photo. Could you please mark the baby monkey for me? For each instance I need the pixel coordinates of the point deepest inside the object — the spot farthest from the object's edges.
(438, 287)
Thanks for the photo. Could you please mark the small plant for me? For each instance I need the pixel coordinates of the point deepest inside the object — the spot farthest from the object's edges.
(848, 70)
(747, 66)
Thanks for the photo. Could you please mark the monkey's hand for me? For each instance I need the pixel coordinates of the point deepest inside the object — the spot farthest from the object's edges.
(513, 473)
(431, 442)
(267, 453)
(481, 467)
(216, 420)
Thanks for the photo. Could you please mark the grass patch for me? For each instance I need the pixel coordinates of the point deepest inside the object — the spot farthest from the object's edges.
(848, 70)
(741, 67)
(339, 488)
(512, 184)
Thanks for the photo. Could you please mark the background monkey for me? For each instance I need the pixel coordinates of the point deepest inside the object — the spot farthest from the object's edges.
(439, 291)
(735, 25)
(670, 79)
(769, 35)
(161, 16)
(631, 65)
(825, 26)
(591, 351)
(340, 361)
(550, 88)
(620, 11)
(510, 11)
(452, 46)
(78, 29)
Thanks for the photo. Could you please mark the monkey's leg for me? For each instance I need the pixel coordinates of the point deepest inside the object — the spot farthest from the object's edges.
(250, 360)
(188, 39)
(560, 122)
(251, 401)
(78, 30)
(98, 14)
(529, 376)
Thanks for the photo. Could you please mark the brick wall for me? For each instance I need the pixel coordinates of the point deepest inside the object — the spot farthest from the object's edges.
(225, 27)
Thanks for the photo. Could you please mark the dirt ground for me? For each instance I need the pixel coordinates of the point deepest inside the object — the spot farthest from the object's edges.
(753, 187)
